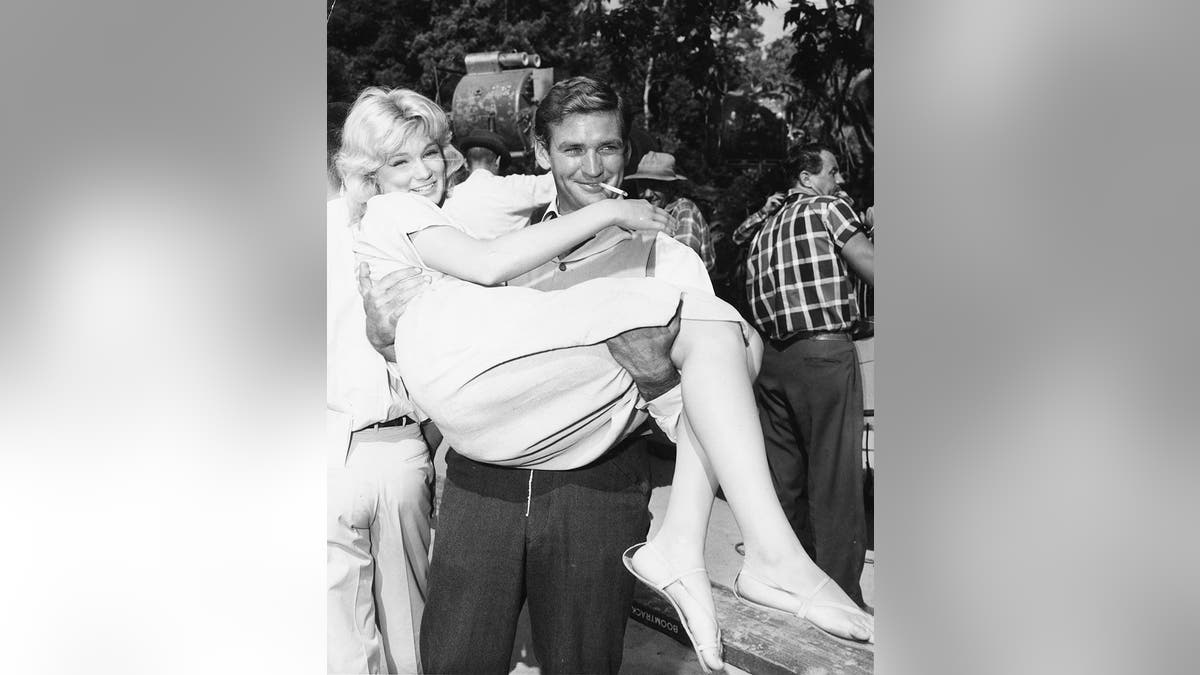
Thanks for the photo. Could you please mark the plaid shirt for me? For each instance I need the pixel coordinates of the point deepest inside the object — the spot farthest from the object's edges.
(749, 227)
(693, 231)
(796, 280)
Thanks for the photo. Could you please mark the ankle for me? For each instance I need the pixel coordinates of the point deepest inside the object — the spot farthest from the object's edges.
(780, 564)
(678, 548)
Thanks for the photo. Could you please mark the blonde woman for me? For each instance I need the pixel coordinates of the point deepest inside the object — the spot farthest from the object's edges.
(502, 370)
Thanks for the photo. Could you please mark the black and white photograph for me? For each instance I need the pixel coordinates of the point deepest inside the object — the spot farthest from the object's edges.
(601, 337)
(605, 373)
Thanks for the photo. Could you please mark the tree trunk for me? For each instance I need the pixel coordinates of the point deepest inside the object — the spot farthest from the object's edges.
(662, 12)
(646, 93)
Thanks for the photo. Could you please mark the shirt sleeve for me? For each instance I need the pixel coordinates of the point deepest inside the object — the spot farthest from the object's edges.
(693, 231)
(748, 227)
(707, 253)
(489, 206)
(524, 192)
(842, 222)
(544, 191)
(389, 220)
(403, 213)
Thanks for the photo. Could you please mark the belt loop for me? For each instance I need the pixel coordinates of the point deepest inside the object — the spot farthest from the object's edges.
(401, 421)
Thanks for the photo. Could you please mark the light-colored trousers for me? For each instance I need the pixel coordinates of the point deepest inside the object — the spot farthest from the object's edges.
(378, 551)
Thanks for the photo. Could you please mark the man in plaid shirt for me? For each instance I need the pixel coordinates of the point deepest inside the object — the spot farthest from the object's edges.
(801, 274)
(656, 182)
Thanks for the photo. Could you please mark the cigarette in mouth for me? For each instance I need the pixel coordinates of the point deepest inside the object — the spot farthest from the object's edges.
(614, 190)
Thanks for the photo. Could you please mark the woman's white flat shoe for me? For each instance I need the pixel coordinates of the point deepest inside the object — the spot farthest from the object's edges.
(660, 586)
(762, 593)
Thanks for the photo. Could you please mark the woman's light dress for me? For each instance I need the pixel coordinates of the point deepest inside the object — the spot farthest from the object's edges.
(516, 376)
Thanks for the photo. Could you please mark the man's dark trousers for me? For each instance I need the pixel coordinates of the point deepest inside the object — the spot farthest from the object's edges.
(809, 395)
(555, 540)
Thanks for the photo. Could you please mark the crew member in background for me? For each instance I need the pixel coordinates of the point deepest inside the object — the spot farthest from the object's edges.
(656, 182)
(800, 283)
(489, 204)
(864, 291)
(379, 476)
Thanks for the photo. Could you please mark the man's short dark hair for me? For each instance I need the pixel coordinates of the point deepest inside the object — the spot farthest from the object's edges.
(808, 158)
(477, 155)
(574, 96)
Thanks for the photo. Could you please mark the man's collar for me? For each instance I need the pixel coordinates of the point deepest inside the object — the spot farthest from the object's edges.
(804, 192)
(605, 239)
(601, 242)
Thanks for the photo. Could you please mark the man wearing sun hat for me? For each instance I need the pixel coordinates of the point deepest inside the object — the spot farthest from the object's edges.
(489, 204)
(656, 182)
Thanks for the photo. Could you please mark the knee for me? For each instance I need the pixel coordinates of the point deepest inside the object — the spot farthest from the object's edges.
(707, 337)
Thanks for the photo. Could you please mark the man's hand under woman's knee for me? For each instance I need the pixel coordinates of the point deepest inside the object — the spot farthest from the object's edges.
(646, 354)
(384, 302)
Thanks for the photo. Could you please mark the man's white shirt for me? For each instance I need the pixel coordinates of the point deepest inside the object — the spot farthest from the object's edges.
(360, 391)
(489, 206)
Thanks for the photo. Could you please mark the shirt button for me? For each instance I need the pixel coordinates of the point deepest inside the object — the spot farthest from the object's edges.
(562, 267)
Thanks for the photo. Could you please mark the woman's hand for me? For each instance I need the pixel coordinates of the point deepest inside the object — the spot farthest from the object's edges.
(639, 215)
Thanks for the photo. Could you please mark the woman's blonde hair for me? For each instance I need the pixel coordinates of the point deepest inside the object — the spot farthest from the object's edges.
(377, 126)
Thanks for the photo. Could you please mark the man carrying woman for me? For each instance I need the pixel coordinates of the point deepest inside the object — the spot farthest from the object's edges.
(523, 378)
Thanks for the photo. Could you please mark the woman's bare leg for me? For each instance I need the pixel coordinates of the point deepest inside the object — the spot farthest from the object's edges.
(720, 409)
(681, 537)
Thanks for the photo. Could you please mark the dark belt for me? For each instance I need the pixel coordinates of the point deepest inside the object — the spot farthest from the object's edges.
(402, 421)
(839, 335)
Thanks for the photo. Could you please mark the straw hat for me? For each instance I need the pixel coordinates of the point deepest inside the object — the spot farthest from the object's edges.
(656, 166)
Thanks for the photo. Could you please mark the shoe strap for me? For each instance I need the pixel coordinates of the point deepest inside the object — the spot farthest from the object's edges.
(714, 646)
(805, 604)
(679, 577)
(710, 646)
(667, 564)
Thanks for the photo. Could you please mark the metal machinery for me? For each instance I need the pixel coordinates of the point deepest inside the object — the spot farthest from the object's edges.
(499, 93)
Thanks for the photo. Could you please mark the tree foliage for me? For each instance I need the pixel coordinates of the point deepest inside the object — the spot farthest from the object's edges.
(833, 66)
(420, 44)
(694, 72)
(678, 59)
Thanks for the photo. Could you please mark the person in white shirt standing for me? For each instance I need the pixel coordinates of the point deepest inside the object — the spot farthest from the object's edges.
(487, 203)
(380, 475)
